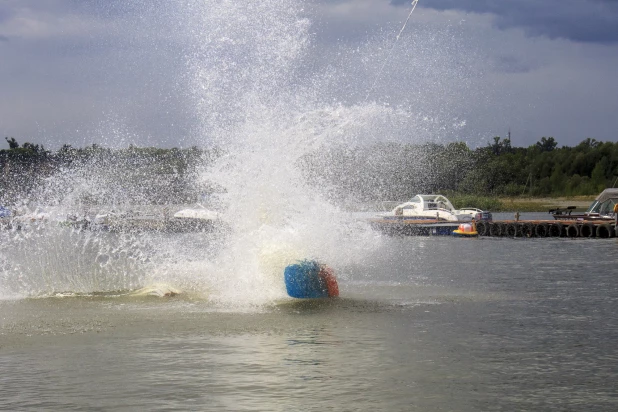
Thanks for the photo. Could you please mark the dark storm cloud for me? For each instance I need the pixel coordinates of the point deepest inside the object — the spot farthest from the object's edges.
(591, 21)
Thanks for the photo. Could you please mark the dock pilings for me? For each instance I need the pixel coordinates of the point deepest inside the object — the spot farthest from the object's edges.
(547, 229)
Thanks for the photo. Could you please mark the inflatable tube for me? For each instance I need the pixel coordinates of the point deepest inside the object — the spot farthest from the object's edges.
(482, 228)
(466, 230)
(309, 280)
(495, 229)
(587, 230)
(511, 230)
(605, 231)
(555, 230)
(541, 230)
(572, 230)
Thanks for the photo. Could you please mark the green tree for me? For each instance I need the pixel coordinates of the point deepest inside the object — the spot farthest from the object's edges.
(588, 144)
(597, 178)
(547, 144)
(12, 143)
(499, 146)
(557, 180)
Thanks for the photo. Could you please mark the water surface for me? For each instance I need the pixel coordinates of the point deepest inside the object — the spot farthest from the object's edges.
(430, 324)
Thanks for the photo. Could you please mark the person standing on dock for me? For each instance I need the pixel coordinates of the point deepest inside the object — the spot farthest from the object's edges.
(616, 215)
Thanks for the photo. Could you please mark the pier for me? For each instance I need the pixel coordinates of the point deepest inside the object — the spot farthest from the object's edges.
(603, 229)
(547, 228)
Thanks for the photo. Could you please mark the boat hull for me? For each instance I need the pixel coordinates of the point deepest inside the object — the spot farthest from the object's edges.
(414, 227)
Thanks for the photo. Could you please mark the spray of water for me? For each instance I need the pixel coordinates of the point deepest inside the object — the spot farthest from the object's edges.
(258, 105)
(388, 57)
(267, 118)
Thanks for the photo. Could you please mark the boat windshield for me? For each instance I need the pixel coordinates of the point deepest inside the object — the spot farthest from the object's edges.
(607, 207)
(594, 207)
(444, 203)
(433, 202)
(603, 208)
(604, 202)
(416, 199)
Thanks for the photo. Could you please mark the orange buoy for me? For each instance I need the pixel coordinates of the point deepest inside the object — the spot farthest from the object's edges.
(466, 230)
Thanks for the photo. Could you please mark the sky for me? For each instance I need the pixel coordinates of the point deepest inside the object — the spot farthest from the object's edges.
(115, 72)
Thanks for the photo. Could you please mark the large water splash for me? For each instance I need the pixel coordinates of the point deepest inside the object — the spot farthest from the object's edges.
(246, 72)
(257, 106)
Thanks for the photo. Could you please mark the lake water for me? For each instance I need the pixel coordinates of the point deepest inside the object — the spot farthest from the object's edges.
(429, 324)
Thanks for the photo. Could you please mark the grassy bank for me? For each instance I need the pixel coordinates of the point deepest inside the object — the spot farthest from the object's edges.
(543, 204)
(519, 204)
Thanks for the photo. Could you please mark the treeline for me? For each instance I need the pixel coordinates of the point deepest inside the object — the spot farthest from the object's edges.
(385, 171)
(99, 175)
(398, 171)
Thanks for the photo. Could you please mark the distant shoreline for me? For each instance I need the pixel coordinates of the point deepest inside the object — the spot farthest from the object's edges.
(496, 204)
(543, 204)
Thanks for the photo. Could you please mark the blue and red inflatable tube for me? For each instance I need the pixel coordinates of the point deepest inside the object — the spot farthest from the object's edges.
(309, 279)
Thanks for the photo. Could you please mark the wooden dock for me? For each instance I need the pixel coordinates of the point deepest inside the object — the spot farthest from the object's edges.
(504, 228)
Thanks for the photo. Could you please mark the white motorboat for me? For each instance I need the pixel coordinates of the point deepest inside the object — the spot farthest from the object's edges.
(434, 207)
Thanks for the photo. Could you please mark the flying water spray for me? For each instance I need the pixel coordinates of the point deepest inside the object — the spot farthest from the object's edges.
(311, 279)
(266, 116)
(388, 57)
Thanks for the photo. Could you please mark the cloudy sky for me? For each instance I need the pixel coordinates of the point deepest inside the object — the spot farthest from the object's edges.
(84, 71)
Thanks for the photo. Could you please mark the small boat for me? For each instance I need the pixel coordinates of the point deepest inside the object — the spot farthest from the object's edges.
(435, 207)
(601, 209)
